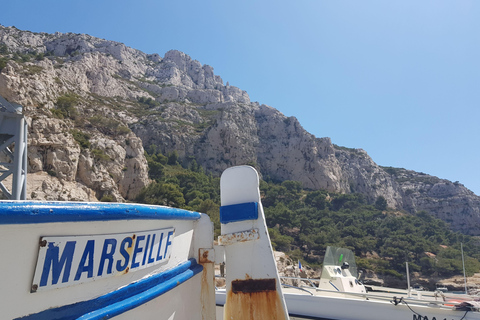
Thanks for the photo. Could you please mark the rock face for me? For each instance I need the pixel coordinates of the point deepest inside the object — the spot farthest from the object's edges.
(94, 104)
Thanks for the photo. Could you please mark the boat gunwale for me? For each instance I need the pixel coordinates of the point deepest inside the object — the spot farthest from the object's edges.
(33, 212)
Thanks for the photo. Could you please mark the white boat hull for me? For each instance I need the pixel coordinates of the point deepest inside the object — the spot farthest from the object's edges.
(340, 308)
(343, 308)
(40, 279)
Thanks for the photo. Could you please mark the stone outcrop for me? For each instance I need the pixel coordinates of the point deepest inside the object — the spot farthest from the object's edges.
(121, 100)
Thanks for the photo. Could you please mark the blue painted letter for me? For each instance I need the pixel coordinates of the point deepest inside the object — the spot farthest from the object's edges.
(88, 252)
(146, 249)
(159, 256)
(107, 255)
(150, 259)
(168, 243)
(57, 265)
(137, 250)
(124, 253)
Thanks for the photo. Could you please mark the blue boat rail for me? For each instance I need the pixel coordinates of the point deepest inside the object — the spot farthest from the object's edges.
(22, 212)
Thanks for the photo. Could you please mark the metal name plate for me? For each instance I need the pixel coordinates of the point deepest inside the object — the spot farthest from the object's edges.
(69, 260)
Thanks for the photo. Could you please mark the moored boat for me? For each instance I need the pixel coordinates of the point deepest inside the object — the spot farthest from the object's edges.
(340, 295)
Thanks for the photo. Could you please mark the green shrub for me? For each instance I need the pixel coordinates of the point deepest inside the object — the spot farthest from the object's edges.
(122, 130)
(107, 198)
(3, 63)
(173, 158)
(3, 48)
(393, 273)
(381, 203)
(22, 57)
(81, 138)
(162, 194)
(52, 173)
(100, 155)
(109, 126)
(65, 106)
(33, 69)
(148, 101)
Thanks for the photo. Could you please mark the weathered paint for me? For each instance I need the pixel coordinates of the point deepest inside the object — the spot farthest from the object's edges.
(207, 260)
(252, 285)
(206, 257)
(254, 305)
(242, 236)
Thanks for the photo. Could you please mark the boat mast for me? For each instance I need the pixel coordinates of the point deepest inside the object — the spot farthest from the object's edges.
(463, 262)
(408, 279)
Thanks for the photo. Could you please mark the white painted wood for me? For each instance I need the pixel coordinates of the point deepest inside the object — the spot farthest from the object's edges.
(249, 259)
(239, 185)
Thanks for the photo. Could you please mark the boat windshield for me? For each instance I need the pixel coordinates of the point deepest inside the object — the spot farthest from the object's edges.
(338, 256)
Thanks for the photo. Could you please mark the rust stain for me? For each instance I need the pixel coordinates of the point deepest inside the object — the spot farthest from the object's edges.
(243, 236)
(205, 288)
(127, 269)
(208, 280)
(130, 248)
(251, 285)
(129, 251)
(259, 305)
(43, 243)
(204, 256)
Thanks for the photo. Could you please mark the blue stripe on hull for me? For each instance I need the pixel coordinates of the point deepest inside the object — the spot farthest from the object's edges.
(26, 212)
(123, 299)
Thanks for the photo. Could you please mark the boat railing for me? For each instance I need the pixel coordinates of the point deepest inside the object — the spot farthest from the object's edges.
(419, 300)
(295, 287)
(299, 280)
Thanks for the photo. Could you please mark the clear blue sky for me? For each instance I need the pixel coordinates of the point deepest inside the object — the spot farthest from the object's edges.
(400, 79)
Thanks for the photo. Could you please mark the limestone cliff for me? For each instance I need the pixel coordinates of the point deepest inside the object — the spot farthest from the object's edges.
(94, 104)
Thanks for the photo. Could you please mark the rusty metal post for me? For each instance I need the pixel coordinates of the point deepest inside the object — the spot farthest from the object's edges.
(206, 257)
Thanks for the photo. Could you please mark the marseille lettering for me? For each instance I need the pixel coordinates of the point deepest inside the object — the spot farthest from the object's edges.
(69, 260)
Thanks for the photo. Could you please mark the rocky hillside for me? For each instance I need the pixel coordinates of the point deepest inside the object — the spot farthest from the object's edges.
(93, 105)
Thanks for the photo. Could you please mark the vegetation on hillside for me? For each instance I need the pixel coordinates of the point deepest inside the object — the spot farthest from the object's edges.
(303, 223)
(186, 186)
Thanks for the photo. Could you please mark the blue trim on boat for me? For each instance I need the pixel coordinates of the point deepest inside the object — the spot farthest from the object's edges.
(239, 212)
(24, 212)
(123, 299)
